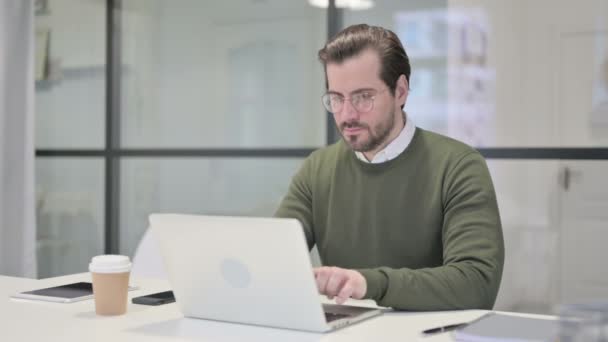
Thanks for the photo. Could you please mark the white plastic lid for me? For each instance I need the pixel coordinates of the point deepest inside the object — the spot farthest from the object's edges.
(110, 264)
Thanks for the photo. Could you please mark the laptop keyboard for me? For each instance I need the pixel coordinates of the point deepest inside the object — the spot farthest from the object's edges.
(329, 316)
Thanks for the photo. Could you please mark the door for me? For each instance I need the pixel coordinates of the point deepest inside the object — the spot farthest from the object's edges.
(581, 102)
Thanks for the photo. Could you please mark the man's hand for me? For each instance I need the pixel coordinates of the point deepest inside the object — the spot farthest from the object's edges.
(340, 283)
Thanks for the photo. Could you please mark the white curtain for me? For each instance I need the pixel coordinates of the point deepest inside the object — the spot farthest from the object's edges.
(17, 194)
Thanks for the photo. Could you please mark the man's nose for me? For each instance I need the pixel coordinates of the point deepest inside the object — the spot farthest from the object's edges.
(349, 112)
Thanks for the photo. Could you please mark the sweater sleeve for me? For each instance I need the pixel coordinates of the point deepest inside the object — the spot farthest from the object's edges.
(297, 203)
(473, 250)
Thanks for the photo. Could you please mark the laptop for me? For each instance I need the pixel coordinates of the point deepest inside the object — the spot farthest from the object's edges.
(246, 270)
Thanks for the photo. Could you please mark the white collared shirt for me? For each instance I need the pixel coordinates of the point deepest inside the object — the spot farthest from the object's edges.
(395, 147)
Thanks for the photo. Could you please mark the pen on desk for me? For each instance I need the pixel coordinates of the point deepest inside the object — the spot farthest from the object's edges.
(455, 326)
(444, 328)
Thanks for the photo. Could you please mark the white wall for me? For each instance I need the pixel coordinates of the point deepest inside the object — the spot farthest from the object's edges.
(70, 108)
(70, 113)
(527, 53)
(182, 92)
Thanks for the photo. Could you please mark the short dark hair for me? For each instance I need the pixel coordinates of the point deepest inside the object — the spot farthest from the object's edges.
(356, 38)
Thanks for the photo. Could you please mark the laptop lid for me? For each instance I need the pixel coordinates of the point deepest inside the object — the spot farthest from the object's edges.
(240, 269)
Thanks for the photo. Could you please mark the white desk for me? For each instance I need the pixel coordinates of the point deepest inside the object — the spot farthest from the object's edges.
(31, 321)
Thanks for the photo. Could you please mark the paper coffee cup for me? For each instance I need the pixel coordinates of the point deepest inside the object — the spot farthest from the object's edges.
(110, 275)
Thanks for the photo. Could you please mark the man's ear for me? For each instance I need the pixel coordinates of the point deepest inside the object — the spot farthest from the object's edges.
(402, 90)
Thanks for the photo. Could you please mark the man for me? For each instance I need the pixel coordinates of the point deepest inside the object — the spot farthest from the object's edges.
(399, 214)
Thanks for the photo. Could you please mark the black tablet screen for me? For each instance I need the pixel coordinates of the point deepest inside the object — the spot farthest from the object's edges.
(74, 290)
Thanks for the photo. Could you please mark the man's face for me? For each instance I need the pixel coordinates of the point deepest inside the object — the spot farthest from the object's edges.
(358, 78)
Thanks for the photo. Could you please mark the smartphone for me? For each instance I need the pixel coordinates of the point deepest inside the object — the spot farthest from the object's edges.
(68, 293)
(155, 298)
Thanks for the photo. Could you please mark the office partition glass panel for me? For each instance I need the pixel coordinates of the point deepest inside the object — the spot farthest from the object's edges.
(233, 74)
(504, 73)
(554, 223)
(69, 214)
(213, 186)
(70, 74)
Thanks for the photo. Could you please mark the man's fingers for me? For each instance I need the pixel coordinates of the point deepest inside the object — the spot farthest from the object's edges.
(334, 284)
(340, 283)
(345, 293)
(321, 277)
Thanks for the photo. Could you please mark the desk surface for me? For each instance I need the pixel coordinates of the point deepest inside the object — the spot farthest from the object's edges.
(29, 320)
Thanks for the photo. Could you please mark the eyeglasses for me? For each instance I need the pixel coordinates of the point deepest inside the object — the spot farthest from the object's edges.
(362, 102)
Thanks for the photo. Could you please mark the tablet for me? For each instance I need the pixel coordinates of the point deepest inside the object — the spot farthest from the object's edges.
(68, 293)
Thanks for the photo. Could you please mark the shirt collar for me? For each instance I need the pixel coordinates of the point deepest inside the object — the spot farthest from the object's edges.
(395, 147)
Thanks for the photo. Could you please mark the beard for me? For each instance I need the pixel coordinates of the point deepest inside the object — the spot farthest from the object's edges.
(376, 135)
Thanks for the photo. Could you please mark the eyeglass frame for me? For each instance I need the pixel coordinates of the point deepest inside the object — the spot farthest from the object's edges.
(344, 99)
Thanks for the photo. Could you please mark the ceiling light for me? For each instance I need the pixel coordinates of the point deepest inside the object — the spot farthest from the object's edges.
(348, 4)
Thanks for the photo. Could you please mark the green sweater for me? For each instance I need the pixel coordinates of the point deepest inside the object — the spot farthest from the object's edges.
(423, 228)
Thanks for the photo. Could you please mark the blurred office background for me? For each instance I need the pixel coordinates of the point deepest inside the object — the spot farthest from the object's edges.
(209, 107)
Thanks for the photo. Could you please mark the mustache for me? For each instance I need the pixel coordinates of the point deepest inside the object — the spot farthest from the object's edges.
(352, 124)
